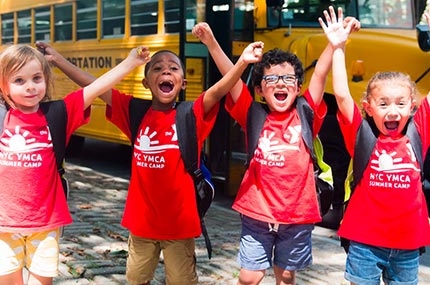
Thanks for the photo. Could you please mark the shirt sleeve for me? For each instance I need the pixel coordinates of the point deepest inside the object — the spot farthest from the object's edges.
(118, 113)
(239, 110)
(349, 130)
(320, 111)
(422, 123)
(76, 115)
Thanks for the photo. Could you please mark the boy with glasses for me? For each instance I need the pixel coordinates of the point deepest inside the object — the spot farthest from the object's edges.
(277, 198)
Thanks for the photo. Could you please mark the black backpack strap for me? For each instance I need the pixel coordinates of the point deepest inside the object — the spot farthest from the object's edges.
(137, 110)
(364, 144)
(187, 138)
(415, 140)
(188, 146)
(256, 116)
(56, 117)
(306, 115)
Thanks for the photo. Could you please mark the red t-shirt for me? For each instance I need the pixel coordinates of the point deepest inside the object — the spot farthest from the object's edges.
(31, 196)
(161, 202)
(279, 184)
(388, 207)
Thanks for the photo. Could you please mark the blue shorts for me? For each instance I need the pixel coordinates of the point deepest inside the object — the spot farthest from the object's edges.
(366, 264)
(290, 246)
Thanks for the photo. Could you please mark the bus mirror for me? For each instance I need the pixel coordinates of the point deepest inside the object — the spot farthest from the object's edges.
(274, 3)
(423, 36)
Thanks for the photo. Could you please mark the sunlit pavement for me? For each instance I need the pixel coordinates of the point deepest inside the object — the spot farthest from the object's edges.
(94, 248)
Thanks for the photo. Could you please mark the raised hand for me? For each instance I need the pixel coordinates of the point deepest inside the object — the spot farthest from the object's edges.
(203, 32)
(141, 53)
(253, 52)
(336, 30)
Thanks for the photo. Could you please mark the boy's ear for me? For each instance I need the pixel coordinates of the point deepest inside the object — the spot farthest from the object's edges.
(258, 90)
(366, 107)
(144, 83)
(184, 84)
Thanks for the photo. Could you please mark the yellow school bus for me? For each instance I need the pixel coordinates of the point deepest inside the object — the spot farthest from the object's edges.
(97, 34)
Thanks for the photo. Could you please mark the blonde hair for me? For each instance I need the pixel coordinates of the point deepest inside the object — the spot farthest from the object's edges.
(12, 59)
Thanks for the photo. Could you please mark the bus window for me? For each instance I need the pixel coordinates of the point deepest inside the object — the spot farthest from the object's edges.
(302, 13)
(144, 17)
(7, 28)
(24, 26)
(113, 18)
(86, 24)
(385, 14)
(243, 20)
(171, 15)
(42, 22)
(63, 22)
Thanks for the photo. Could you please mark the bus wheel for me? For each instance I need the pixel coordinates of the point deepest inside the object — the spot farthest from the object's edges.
(74, 148)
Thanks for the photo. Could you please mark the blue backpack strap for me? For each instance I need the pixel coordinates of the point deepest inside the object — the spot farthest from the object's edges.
(137, 110)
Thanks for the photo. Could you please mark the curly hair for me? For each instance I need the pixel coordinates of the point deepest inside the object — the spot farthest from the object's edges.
(274, 57)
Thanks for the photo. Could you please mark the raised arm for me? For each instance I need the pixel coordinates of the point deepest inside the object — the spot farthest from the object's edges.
(138, 56)
(251, 54)
(324, 63)
(223, 63)
(77, 75)
(337, 35)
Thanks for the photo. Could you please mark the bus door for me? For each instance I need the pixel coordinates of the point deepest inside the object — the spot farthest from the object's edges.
(232, 25)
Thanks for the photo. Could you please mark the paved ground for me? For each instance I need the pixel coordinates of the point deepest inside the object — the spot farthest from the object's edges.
(94, 247)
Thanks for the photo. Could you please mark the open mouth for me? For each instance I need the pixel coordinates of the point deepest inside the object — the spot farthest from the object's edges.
(391, 125)
(166, 86)
(281, 96)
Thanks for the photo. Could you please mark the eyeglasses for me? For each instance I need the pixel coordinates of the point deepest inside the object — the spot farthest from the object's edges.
(289, 79)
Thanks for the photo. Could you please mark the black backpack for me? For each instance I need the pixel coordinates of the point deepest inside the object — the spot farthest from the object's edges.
(187, 141)
(364, 145)
(256, 116)
(56, 116)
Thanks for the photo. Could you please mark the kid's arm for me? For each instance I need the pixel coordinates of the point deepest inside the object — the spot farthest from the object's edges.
(138, 56)
(77, 75)
(324, 63)
(251, 54)
(337, 35)
(223, 63)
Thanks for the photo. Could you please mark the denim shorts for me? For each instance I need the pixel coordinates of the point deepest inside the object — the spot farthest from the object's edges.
(365, 265)
(290, 246)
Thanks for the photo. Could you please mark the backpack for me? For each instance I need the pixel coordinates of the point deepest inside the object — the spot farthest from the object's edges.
(187, 141)
(256, 117)
(56, 117)
(364, 145)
